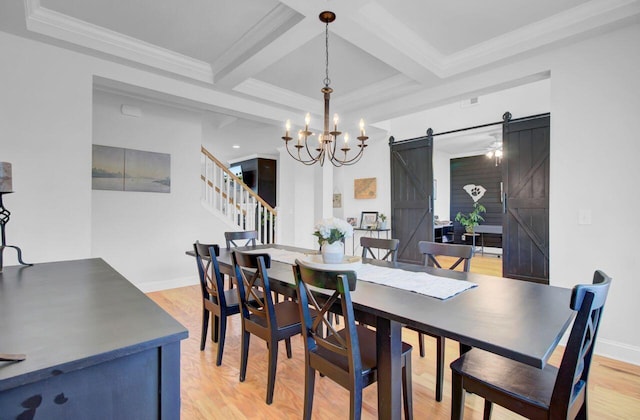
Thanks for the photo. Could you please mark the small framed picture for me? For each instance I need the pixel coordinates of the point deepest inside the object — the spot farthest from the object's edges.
(369, 220)
(337, 201)
(353, 221)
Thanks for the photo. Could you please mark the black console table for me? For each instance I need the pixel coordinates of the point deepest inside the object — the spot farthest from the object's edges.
(95, 345)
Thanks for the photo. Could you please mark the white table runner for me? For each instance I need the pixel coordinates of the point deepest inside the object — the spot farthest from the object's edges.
(281, 255)
(418, 282)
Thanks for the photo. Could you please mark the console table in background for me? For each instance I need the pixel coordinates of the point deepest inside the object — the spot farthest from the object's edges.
(95, 345)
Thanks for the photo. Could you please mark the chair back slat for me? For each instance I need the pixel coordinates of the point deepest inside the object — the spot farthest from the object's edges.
(236, 238)
(569, 390)
(254, 291)
(369, 244)
(211, 283)
(341, 283)
(432, 250)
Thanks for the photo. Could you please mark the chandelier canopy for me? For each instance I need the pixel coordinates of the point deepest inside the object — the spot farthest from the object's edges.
(326, 145)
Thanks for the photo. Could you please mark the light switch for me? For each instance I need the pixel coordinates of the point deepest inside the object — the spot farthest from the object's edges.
(584, 217)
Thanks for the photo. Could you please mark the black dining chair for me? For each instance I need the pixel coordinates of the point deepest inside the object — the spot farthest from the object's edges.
(272, 322)
(235, 239)
(241, 238)
(347, 356)
(217, 302)
(431, 251)
(548, 393)
(388, 246)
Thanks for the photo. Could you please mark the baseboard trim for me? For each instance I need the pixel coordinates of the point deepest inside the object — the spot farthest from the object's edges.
(156, 286)
(619, 351)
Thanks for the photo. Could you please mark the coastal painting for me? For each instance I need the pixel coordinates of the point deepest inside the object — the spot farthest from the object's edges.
(120, 169)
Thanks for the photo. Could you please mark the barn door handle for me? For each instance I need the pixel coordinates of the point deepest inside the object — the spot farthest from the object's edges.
(504, 203)
(430, 204)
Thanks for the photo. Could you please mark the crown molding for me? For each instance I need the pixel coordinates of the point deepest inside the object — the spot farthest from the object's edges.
(404, 41)
(386, 88)
(59, 26)
(560, 26)
(259, 89)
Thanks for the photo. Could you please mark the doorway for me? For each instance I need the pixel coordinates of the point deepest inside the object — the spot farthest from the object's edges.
(522, 195)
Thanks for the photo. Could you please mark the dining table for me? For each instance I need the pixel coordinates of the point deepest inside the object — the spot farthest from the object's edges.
(519, 320)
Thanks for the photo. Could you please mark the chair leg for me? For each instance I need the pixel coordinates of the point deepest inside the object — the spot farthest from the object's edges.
(488, 406)
(273, 362)
(245, 355)
(205, 328)
(287, 344)
(407, 387)
(309, 386)
(216, 328)
(355, 410)
(421, 344)
(221, 337)
(457, 397)
(439, 367)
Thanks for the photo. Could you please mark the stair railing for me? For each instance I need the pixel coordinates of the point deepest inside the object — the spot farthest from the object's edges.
(234, 201)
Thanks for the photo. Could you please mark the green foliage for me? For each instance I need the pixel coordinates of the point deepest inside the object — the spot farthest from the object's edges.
(382, 217)
(473, 219)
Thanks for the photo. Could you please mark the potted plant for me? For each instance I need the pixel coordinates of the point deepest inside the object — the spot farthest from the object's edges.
(473, 219)
(383, 221)
(331, 234)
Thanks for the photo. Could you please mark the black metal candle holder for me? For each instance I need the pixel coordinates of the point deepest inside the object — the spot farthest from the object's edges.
(4, 219)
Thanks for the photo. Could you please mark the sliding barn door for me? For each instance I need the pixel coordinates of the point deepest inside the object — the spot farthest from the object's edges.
(411, 196)
(526, 200)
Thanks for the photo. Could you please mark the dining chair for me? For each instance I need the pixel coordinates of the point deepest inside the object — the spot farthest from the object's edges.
(272, 322)
(235, 238)
(369, 244)
(217, 302)
(548, 393)
(431, 251)
(239, 238)
(347, 356)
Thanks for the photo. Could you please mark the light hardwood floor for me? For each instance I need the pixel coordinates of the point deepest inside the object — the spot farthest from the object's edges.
(210, 392)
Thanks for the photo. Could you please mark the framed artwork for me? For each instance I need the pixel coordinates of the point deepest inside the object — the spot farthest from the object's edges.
(120, 169)
(337, 201)
(353, 221)
(364, 188)
(369, 220)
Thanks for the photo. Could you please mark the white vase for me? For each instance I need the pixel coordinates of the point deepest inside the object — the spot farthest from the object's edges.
(332, 253)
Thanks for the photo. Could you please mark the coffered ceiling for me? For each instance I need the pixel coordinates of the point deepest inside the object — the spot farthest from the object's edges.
(272, 52)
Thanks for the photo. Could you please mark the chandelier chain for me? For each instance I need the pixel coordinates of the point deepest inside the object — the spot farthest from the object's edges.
(327, 81)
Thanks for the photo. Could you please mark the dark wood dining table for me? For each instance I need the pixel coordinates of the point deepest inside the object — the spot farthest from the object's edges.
(516, 319)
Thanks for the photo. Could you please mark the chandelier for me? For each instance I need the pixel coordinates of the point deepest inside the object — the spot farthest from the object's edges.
(325, 145)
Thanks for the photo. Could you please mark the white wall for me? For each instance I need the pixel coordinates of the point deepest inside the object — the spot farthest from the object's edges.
(595, 103)
(45, 132)
(144, 235)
